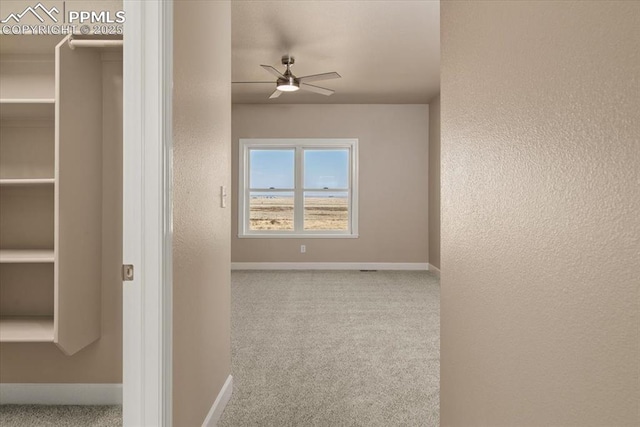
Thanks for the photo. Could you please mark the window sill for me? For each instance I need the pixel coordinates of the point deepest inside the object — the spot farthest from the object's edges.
(298, 236)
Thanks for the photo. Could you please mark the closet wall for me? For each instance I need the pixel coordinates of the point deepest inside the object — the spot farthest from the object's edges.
(101, 361)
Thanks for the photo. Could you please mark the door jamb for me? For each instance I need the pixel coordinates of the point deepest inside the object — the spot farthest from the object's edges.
(147, 213)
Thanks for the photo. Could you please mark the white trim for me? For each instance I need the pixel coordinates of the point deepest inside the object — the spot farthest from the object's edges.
(435, 269)
(147, 56)
(220, 403)
(167, 206)
(60, 394)
(298, 236)
(329, 266)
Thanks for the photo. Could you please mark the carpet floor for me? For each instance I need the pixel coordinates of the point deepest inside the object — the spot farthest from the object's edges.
(60, 416)
(334, 348)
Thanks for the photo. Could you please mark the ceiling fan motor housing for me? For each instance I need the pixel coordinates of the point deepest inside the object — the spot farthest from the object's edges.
(288, 82)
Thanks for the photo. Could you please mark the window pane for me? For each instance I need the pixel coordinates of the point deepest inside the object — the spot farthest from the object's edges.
(326, 168)
(271, 169)
(271, 211)
(326, 211)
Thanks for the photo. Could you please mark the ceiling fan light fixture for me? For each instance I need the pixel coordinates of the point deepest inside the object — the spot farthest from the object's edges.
(288, 85)
(288, 82)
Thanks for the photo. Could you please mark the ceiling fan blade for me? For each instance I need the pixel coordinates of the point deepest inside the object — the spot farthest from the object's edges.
(316, 77)
(252, 82)
(273, 71)
(275, 94)
(317, 89)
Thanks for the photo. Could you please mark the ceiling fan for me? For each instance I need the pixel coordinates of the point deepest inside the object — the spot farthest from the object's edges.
(288, 82)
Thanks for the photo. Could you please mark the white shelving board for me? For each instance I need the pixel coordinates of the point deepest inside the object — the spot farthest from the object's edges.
(27, 184)
(26, 329)
(26, 181)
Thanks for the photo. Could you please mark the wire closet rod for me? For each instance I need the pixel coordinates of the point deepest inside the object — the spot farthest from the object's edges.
(74, 43)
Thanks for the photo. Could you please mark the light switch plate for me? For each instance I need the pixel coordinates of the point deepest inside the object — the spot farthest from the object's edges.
(223, 196)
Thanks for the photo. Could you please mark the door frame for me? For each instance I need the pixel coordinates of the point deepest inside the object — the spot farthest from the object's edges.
(147, 212)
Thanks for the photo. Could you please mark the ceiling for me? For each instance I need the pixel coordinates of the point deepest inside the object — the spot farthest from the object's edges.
(387, 52)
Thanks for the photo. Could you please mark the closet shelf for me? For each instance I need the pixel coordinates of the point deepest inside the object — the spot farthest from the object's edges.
(26, 181)
(9, 101)
(27, 108)
(26, 329)
(22, 256)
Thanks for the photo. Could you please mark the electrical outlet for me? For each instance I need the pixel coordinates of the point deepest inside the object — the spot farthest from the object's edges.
(303, 249)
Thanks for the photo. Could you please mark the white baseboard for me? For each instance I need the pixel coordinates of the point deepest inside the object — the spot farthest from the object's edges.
(218, 406)
(61, 394)
(434, 269)
(329, 266)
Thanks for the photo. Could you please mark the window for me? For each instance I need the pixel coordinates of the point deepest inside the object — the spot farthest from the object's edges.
(298, 188)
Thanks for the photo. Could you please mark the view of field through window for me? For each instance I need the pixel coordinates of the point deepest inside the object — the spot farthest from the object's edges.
(325, 203)
(320, 212)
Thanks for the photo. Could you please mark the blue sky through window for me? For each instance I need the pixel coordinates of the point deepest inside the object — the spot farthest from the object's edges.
(272, 168)
(276, 169)
(326, 168)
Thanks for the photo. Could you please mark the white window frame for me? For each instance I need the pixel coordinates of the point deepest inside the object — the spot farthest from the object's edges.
(299, 145)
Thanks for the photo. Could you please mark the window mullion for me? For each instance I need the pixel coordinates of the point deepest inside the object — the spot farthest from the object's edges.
(298, 201)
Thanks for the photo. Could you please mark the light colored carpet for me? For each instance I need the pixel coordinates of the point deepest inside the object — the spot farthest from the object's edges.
(334, 348)
(60, 416)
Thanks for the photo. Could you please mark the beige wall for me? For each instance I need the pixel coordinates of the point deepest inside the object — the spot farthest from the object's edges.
(202, 138)
(393, 151)
(540, 213)
(434, 182)
(100, 362)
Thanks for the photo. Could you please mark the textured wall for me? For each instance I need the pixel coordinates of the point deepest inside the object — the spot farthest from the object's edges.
(100, 362)
(393, 151)
(540, 213)
(201, 260)
(434, 182)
